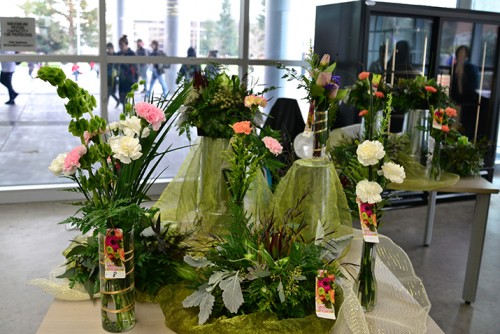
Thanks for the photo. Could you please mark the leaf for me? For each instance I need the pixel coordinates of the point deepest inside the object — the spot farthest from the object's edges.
(281, 292)
(257, 272)
(204, 300)
(197, 262)
(334, 247)
(232, 295)
(320, 233)
(217, 277)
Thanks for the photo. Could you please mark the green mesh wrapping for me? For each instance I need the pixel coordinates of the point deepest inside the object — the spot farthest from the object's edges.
(198, 195)
(325, 201)
(185, 320)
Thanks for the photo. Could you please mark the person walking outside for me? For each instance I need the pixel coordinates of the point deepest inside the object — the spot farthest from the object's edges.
(158, 70)
(143, 68)
(8, 69)
(128, 74)
(112, 75)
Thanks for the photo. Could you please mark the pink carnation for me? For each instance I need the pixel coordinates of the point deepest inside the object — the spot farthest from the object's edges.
(151, 114)
(72, 160)
(272, 145)
(242, 127)
(87, 136)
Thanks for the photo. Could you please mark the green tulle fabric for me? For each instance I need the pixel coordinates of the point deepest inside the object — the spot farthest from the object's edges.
(198, 196)
(185, 320)
(325, 201)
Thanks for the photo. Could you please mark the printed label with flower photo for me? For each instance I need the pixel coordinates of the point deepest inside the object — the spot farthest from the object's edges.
(368, 219)
(325, 295)
(114, 254)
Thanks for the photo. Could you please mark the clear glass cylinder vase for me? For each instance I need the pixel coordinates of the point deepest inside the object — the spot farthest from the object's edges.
(320, 132)
(116, 273)
(213, 193)
(373, 121)
(367, 282)
(416, 128)
(434, 163)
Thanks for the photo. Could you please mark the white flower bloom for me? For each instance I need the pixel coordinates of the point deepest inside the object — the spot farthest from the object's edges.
(131, 126)
(114, 126)
(369, 191)
(393, 172)
(370, 152)
(125, 148)
(56, 166)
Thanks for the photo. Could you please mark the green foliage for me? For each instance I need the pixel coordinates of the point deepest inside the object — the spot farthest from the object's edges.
(411, 94)
(462, 157)
(215, 102)
(114, 186)
(263, 268)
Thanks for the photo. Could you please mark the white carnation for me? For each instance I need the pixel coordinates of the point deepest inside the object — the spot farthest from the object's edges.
(125, 148)
(131, 126)
(56, 166)
(370, 152)
(369, 191)
(114, 126)
(393, 172)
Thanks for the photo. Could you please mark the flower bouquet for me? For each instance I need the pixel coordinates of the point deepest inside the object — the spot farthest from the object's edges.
(216, 101)
(366, 169)
(323, 92)
(113, 168)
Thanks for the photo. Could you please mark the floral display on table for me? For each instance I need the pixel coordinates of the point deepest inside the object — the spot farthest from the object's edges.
(262, 269)
(365, 173)
(112, 168)
(323, 93)
(216, 101)
(461, 156)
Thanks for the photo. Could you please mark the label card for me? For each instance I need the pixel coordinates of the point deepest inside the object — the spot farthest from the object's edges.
(368, 220)
(325, 295)
(114, 254)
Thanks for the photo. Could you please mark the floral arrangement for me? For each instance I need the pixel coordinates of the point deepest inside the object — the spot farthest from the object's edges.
(360, 93)
(216, 101)
(261, 268)
(323, 93)
(113, 167)
(462, 157)
(419, 93)
(249, 152)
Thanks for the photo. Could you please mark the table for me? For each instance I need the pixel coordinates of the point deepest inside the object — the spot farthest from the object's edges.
(483, 190)
(84, 317)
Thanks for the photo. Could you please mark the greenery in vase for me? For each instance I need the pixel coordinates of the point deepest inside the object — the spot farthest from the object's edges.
(321, 85)
(249, 152)
(462, 157)
(262, 267)
(113, 167)
(415, 94)
(365, 168)
(216, 101)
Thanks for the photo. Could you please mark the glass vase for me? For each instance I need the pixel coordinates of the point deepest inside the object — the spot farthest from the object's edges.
(434, 162)
(116, 273)
(416, 129)
(213, 193)
(367, 283)
(376, 124)
(320, 132)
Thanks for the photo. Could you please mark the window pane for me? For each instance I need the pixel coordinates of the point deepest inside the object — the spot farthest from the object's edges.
(281, 29)
(62, 27)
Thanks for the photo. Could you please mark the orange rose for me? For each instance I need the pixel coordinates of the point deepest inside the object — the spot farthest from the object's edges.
(363, 112)
(380, 95)
(363, 75)
(242, 127)
(445, 128)
(430, 89)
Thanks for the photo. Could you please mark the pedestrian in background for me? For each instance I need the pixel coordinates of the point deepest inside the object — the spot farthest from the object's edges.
(8, 69)
(158, 70)
(143, 68)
